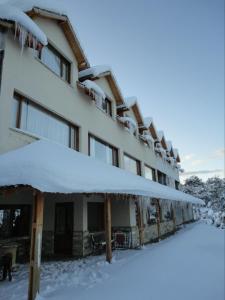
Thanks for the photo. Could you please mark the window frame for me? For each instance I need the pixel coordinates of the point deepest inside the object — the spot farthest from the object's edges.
(72, 127)
(115, 152)
(153, 172)
(14, 207)
(63, 61)
(138, 163)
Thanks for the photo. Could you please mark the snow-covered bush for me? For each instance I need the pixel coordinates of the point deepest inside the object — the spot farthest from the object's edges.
(213, 193)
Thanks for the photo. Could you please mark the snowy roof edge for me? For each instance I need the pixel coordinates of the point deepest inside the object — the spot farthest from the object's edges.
(44, 174)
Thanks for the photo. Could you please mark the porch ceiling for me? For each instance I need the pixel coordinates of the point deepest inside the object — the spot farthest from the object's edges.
(52, 168)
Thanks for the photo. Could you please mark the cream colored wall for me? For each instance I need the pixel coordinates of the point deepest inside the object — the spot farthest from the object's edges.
(29, 76)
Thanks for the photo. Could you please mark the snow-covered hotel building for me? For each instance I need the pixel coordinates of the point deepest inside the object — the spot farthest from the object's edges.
(50, 95)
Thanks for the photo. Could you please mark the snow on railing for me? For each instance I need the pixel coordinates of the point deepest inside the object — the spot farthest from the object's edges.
(129, 123)
(145, 136)
(95, 91)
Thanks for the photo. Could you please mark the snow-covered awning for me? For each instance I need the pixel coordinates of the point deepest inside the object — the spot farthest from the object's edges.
(53, 168)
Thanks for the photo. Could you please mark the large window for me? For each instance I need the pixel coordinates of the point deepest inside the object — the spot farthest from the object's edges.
(150, 173)
(103, 151)
(162, 178)
(132, 165)
(56, 62)
(95, 216)
(34, 119)
(14, 220)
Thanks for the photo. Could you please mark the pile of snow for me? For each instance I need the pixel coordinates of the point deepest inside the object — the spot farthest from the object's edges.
(24, 26)
(129, 123)
(50, 167)
(212, 217)
(95, 71)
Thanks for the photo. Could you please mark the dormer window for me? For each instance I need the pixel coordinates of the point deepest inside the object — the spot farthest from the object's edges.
(56, 62)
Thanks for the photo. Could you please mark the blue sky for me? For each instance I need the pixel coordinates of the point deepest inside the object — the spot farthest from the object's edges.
(170, 54)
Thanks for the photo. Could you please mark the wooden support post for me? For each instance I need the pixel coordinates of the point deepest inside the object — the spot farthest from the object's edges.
(35, 247)
(140, 224)
(174, 217)
(108, 228)
(158, 217)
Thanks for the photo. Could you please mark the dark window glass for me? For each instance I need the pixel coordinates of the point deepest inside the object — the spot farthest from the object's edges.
(56, 62)
(132, 165)
(95, 216)
(177, 185)
(14, 220)
(34, 119)
(103, 151)
(162, 178)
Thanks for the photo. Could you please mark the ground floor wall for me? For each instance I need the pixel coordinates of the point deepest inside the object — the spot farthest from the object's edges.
(124, 220)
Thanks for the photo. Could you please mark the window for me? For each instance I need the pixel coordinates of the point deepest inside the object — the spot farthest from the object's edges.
(95, 216)
(132, 165)
(56, 62)
(177, 185)
(34, 119)
(103, 151)
(152, 213)
(14, 220)
(162, 178)
(150, 173)
(103, 104)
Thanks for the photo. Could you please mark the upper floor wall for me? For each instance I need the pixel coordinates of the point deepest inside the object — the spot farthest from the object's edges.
(27, 75)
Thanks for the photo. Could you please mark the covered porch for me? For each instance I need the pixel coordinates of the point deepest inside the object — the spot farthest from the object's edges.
(67, 183)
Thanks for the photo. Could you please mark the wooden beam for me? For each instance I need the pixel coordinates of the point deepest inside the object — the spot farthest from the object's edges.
(140, 224)
(35, 247)
(174, 217)
(108, 228)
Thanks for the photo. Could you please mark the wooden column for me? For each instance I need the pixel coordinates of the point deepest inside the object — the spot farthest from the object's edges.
(108, 228)
(140, 224)
(174, 217)
(35, 247)
(158, 217)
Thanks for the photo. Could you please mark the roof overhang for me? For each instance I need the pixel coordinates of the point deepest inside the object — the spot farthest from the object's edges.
(52, 168)
(68, 30)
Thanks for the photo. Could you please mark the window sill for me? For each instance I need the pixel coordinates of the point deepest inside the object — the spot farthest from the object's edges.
(63, 80)
(27, 133)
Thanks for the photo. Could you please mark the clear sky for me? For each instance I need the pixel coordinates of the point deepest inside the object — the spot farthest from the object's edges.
(170, 54)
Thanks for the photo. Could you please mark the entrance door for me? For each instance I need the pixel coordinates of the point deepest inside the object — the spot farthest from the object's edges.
(63, 228)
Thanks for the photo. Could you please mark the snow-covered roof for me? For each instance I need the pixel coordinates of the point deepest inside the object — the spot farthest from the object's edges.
(55, 6)
(169, 145)
(148, 121)
(160, 134)
(130, 101)
(53, 168)
(95, 71)
(14, 14)
(101, 71)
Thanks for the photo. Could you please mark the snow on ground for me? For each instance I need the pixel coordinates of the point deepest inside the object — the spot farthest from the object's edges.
(189, 265)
